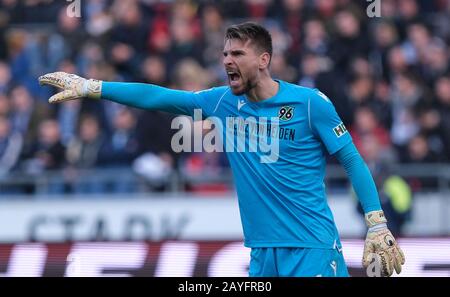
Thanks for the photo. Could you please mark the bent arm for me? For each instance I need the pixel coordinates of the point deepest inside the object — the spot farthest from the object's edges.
(360, 177)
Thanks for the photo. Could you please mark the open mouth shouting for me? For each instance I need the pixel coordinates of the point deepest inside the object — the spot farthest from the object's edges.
(234, 78)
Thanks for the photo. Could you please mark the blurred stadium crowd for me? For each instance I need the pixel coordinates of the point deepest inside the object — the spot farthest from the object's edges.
(389, 79)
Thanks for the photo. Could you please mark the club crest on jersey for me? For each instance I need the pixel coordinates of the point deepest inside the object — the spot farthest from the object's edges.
(286, 113)
(340, 130)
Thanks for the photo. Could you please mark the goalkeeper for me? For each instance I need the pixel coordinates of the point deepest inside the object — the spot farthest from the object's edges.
(286, 220)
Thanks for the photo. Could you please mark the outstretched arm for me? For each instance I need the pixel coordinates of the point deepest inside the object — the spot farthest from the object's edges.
(379, 240)
(146, 96)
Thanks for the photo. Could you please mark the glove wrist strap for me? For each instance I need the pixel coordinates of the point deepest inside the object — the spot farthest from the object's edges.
(93, 88)
(374, 218)
(377, 227)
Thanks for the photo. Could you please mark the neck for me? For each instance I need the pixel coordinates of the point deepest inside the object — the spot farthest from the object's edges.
(264, 89)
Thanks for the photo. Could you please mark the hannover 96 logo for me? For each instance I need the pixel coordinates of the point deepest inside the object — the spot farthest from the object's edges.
(286, 113)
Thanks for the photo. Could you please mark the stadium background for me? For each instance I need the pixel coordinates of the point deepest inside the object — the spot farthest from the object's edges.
(94, 188)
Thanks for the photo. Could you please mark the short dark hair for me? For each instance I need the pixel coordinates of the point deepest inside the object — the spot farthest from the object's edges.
(251, 31)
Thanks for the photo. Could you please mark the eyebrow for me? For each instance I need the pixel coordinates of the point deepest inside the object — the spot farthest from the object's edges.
(234, 52)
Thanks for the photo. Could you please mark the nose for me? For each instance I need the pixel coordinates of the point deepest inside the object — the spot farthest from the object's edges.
(227, 60)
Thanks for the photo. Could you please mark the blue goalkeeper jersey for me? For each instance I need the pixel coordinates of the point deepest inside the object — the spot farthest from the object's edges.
(282, 203)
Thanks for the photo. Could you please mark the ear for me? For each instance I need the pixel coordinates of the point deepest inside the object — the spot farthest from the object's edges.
(264, 60)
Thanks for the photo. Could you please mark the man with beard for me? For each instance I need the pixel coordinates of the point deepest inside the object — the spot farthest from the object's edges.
(286, 220)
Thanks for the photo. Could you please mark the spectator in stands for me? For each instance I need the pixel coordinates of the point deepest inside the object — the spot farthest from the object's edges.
(291, 15)
(26, 114)
(360, 92)
(47, 153)
(442, 93)
(18, 41)
(316, 39)
(387, 64)
(90, 53)
(212, 41)
(348, 41)
(419, 151)
(311, 67)
(189, 75)
(154, 71)
(435, 61)
(10, 147)
(431, 127)
(5, 77)
(4, 17)
(83, 149)
(408, 12)
(73, 33)
(282, 70)
(83, 153)
(121, 146)
(4, 105)
(397, 63)
(127, 42)
(407, 94)
(184, 44)
(385, 37)
(159, 39)
(119, 150)
(417, 42)
(371, 139)
(99, 20)
(382, 104)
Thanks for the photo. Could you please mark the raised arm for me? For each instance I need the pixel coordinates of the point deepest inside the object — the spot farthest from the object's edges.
(140, 95)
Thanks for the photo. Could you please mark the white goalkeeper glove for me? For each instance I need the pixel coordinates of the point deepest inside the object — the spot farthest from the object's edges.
(73, 86)
(381, 245)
